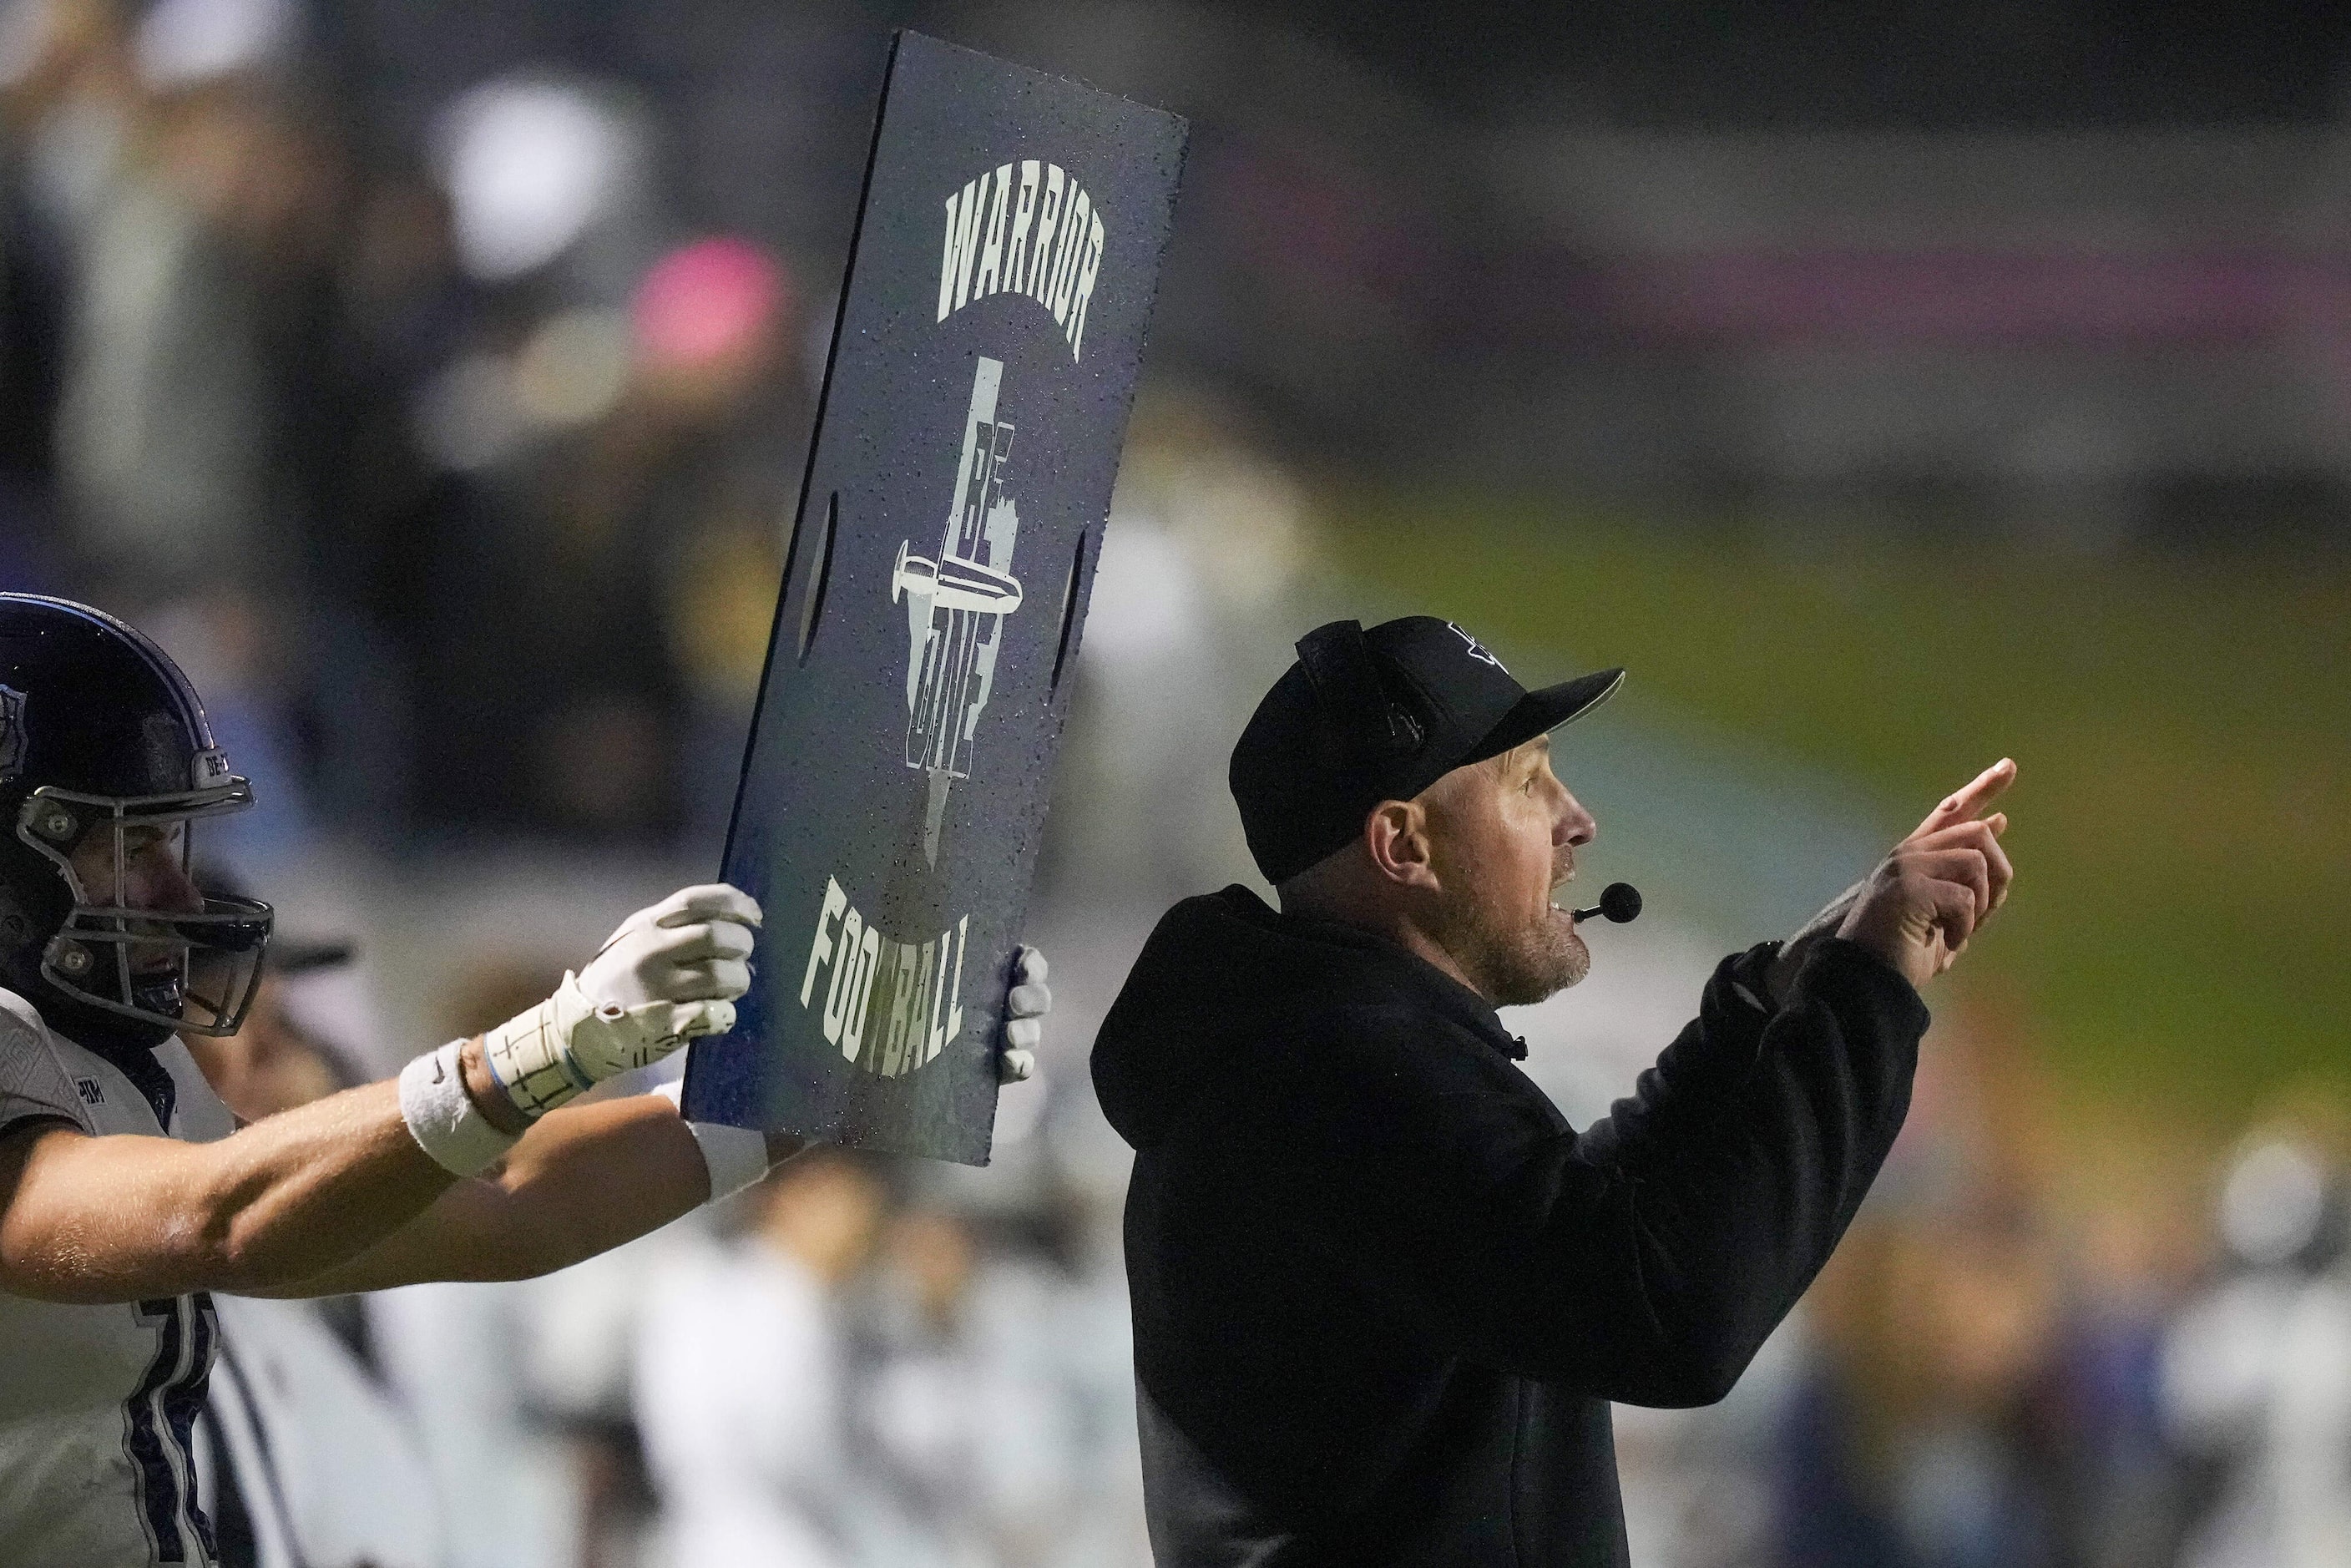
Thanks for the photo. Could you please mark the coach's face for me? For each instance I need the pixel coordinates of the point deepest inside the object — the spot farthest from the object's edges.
(1502, 840)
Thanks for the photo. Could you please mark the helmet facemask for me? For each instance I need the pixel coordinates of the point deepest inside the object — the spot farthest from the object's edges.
(192, 971)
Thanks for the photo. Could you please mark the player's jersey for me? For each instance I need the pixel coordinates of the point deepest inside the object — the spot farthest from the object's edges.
(97, 1404)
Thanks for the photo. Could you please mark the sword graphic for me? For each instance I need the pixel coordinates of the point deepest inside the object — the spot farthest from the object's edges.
(955, 605)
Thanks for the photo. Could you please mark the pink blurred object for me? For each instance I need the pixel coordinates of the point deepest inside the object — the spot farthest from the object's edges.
(708, 301)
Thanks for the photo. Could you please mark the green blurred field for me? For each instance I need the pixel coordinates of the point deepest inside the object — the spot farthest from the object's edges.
(2181, 932)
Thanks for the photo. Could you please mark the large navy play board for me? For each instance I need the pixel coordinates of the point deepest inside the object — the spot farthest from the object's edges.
(894, 792)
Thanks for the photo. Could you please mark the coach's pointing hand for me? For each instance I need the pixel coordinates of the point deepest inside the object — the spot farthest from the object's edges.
(1918, 909)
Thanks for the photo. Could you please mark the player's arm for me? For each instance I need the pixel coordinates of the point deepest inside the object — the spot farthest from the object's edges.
(584, 1180)
(592, 1177)
(109, 1218)
(119, 1219)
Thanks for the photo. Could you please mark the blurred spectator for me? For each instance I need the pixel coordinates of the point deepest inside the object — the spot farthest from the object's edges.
(740, 1382)
(1921, 1440)
(2257, 1370)
(980, 1396)
(275, 1063)
(1923, 1427)
(197, 243)
(2128, 1504)
(1046, 1316)
(620, 483)
(309, 1460)
(923, 1394)
(508, 1486)
(1206, 566)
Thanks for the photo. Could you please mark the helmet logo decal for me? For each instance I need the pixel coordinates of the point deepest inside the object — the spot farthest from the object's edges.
(163, 751)
(12, 733)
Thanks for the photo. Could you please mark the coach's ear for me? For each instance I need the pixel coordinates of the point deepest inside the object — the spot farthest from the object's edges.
(1395, 837)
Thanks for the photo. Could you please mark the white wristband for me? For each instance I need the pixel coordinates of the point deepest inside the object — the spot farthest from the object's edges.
(735, 1156)
(442, 1118)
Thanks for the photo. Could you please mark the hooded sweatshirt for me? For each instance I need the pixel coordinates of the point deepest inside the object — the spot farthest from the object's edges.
(1382, 1292)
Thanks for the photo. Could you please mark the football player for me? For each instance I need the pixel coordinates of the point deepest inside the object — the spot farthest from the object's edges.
(127, 1189)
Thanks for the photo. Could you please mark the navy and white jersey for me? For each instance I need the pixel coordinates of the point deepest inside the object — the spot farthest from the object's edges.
(99, 1404)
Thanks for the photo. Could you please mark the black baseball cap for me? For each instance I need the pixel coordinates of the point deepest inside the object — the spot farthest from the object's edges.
(1380, 715)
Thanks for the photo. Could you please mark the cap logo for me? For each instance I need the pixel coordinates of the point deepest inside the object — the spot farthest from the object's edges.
(13, 739)
(1478, 650)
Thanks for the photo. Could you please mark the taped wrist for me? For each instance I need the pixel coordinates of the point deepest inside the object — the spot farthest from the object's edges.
(567, 1044)
(530, 1053)
(735, 1156)
(442, 1118)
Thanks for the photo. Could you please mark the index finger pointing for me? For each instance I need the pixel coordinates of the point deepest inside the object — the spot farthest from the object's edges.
(1964, 804)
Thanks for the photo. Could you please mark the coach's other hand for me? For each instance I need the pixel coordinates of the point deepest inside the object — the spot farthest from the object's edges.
(1030, 1000)
(1924, 902)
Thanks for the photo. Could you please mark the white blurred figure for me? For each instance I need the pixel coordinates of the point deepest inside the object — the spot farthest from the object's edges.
(2257, 1373)
(531, 166)
(327, 1466)
(1194, 609)
(308, 1460)
(1084, 1499)
(451, 1351)
(740, 1380)
(548, 181)
(582, 1324)
(199, 198)
(993, 1391)
(923, 1388)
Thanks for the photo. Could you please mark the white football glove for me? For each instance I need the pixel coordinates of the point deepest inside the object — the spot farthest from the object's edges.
(670, 974)
(692, 946)
(1030, 1000)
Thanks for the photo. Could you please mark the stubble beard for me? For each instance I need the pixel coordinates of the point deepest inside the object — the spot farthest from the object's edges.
(1516, 964)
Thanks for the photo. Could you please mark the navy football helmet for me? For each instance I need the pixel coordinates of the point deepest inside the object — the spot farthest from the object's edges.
(102, 735)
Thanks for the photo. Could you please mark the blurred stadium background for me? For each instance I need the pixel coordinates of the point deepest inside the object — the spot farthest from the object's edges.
(1891, 388)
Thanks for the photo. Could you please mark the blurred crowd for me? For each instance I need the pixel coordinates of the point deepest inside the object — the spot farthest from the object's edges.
(457, 473)
(434, 381)
(2011, 1362)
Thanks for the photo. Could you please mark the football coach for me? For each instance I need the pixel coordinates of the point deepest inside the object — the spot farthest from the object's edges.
(1382, 1292)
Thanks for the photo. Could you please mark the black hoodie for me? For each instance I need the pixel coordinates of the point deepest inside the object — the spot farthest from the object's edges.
(1383, 1292)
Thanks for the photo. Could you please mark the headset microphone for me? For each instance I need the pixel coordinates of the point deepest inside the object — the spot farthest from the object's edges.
(1619, 901)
